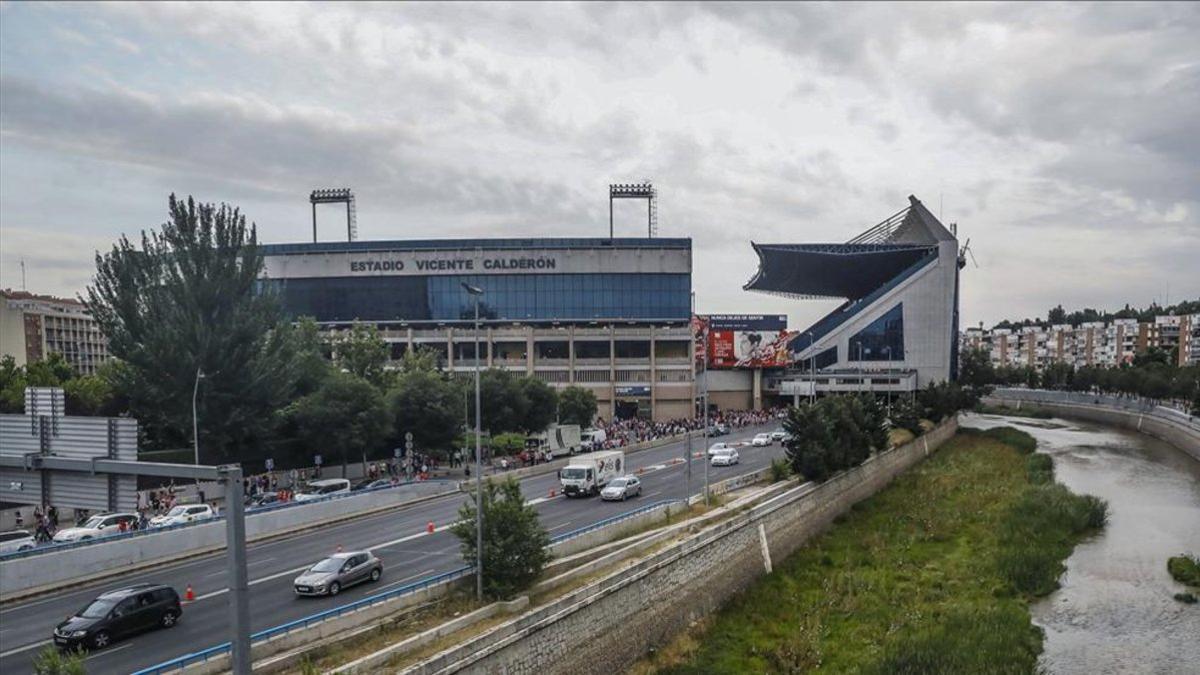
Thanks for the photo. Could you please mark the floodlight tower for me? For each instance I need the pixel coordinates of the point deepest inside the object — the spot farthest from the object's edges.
(336, 196)
(644, 190)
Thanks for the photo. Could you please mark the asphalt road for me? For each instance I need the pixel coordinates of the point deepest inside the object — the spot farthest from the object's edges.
(398, 537)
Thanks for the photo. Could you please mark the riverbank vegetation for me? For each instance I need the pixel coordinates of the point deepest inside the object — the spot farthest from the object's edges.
(932, 575)
(1186, 570)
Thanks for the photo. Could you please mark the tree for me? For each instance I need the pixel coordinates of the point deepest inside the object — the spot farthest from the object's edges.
(344, 418)
(52, 371)
(185, 300)
(906, 415)
(12, 385)
(541, 405)
(1057, 315)
(942, 399)
(360, 351)
(96, 395)
(975, 368)
(425, 403)
(502, 400)
(515, 545)
(306, 352)
(834, 434)
(577, 405)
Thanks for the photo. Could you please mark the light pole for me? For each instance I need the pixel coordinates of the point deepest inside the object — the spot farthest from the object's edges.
(704, 333)
(195, 423)
(812, 367)
(475, 292)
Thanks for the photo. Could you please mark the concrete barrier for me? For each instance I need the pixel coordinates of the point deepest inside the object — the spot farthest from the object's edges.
(1165, 426)
(52, 569)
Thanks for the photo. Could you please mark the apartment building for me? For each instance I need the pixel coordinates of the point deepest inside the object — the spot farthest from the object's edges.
(32, 327)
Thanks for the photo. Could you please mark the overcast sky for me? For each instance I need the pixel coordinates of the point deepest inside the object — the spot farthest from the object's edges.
(1063, 139)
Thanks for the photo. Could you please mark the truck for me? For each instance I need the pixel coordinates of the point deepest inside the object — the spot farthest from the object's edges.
(584, 475)
(593, 439)
(557, 439)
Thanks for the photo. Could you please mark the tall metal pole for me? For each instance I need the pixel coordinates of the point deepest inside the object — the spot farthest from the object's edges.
(706, 459)
(314, 205)
(478, 470)
(812, 367)
(195, 423)
(610, 213)
(239, 586)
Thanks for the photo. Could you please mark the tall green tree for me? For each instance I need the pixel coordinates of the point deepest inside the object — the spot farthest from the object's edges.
(424, 402)
(183, 300)
(577, 405)
(12, 385)
(541, 405)
(362, 352)
(515, 545)
(345, 419)
(834, 434)
(502, 401)
(975, 368)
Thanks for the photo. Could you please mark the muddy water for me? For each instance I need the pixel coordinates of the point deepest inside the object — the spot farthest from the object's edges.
(1114, 612)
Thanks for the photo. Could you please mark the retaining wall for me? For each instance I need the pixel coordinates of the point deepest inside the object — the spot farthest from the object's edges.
(56, 568)
(1163, 427)
(606, 626)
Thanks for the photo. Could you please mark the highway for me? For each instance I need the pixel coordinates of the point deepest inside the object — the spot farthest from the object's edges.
(398, 537)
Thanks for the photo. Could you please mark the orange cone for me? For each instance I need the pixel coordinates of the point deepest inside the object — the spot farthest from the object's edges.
(429, 527)
(189, 595)
(552, 493)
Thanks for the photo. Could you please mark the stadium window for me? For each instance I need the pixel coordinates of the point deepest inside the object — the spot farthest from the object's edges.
(881, 340)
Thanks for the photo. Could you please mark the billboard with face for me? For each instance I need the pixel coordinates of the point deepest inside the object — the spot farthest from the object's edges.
(743, 340)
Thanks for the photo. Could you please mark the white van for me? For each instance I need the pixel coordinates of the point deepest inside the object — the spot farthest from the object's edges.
(593, 439)
(323, 488)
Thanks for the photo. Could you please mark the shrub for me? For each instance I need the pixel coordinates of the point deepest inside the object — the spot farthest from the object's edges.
(1022, 441)
(51, 661)
(1039, 468)
(984, 640)
(1185, 569)
(509, 443)
(780, 470)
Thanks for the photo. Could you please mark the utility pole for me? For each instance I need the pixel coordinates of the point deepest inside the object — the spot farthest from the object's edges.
(475, 292)
(195, 423)
(239, 585)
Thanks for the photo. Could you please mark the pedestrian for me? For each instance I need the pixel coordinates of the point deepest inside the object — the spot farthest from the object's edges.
(143, 521)
(200, 493)
(122, 526)
(20, 519)
(53, 514)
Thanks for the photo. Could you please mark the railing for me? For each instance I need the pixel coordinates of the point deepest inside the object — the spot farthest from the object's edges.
(609, 521)
(1133, 404)
(282, 629)
(109, 538)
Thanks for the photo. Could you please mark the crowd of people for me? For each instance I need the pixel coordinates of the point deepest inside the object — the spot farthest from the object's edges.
(626, 432)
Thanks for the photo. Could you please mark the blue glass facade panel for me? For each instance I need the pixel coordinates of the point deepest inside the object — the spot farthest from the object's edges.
(515, 297)
(882, 340)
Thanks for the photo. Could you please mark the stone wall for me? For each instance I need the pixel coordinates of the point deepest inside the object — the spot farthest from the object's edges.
(609, 624)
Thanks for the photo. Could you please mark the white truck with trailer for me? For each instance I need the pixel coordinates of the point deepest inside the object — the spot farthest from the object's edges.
(558, 439)
(585, 475)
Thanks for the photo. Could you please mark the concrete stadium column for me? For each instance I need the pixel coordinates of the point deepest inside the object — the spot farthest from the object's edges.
(756, 388)
(653, 379)
(612, 372)
(450, 349)
(529, 350)
(408, 340)
(571, 354)
(488, 336)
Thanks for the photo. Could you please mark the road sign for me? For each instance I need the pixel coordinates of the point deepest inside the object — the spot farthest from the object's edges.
(408, 444)
(398, 453)
(270, 464)
(408, 437)
(317, 460)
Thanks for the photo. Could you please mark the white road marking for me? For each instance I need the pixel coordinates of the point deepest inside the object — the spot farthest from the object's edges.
(18, 650)
(249, 564)
(109, 651)
(559, 527)
(408, 578)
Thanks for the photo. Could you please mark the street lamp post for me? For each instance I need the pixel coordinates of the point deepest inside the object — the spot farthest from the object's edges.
(812, 368)
(475, 292)
(195, 423)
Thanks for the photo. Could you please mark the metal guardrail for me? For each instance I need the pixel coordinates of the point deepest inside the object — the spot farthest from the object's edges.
(109, 538)
(282, 629)
(1132, 404)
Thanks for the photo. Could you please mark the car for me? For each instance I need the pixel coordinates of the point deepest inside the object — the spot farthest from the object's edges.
(262, 499)
(16, 540)
(717, 447)
(778, 435)
(323, 488)
(621, 489)
(726, 457)
(371, 484)
(722, 429)
(183, 514)
(339, 571)
(101, 525)
(117, 614)
(761, 440)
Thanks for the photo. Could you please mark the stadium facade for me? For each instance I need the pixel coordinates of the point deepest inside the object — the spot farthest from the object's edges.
(611, 315)
(897, 328)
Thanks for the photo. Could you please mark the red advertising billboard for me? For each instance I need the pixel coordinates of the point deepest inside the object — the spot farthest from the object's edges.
(743, 340)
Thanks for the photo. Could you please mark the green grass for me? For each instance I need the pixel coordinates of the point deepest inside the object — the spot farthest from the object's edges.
(1185, 569)
(932, 575)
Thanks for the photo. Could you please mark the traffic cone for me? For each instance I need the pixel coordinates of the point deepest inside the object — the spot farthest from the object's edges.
(552, 493)
(189, 595)
(429, 527)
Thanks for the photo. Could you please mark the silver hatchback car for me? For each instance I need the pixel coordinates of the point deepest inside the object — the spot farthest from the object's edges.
(336, 572)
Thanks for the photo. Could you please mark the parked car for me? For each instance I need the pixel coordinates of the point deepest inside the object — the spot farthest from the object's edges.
(16, 540)
(184, 513)
(323, 488)
(263, 499)
(761, 440)
(371, 484)
(101, 525)
(725, 457)
(778, 435)
(339, 571)
(117, 614)
(717, 447)
(621, 488)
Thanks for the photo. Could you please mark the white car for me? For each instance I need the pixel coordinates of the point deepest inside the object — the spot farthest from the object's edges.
(761, 440)
(323, 488)
(778, 435)
(717, 447)
(726, 457)
(16, 540)
(184, 513)
(621, 489)
(97, 526)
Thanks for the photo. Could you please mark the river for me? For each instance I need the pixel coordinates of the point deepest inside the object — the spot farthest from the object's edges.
(1114, 612)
